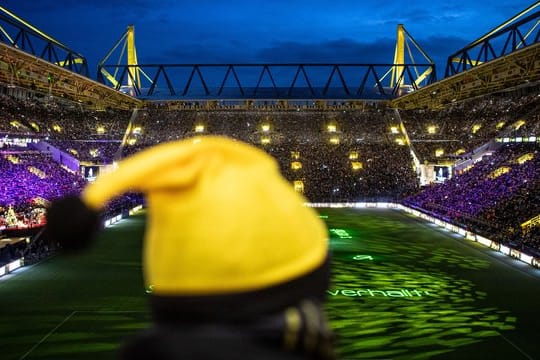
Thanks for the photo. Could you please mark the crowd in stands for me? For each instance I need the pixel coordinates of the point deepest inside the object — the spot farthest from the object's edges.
(160, 124)
(337, 156)
(89, 135)
(462, 127)
(30, 180)
(494, 197)
(331, 173)
(62, 121)
(350, 154)
(28, 177)
(92, 151)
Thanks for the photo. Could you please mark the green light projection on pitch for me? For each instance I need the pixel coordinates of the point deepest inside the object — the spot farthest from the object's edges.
(363, 257)
(395, 299)
(341, 233)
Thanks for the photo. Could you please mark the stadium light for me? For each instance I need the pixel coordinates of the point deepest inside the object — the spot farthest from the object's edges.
(13, 159)
(519, 124)
(432, 129)
(296, 165)
(298, 186)
(394, 130)
(498, 172)
(199, 128)
(524, 158)
(15, 124)
(331, 128)
(265, 127)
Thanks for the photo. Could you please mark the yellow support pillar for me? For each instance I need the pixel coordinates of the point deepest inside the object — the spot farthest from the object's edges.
(134, 76)
(399, 57)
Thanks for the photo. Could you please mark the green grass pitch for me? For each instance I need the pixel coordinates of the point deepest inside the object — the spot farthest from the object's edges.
(401, 289)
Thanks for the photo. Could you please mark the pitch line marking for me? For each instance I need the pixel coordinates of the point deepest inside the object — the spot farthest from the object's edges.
(48, 334)
(516, 347)
(112, 311)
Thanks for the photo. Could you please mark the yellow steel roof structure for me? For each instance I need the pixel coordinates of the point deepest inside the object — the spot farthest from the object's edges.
(19, 68)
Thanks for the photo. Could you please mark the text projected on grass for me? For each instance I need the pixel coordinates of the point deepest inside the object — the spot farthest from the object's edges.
(394, 293)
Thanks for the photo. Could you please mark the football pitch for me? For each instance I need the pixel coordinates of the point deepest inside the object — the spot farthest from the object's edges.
(401, 289)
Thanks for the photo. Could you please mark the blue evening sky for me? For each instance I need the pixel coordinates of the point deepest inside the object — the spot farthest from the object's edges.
(278, 31)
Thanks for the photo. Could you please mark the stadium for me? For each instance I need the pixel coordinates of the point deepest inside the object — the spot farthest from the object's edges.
(429, 186)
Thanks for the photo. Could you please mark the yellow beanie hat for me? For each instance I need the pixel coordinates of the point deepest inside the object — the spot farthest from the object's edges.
(221, 219)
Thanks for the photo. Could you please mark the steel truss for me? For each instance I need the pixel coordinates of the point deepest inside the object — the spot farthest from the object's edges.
(18, 33)
(520, 31)
(520, 68)
(267, 81)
